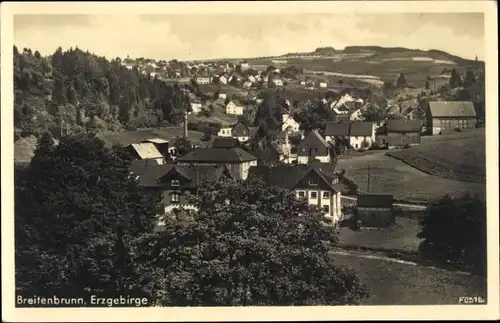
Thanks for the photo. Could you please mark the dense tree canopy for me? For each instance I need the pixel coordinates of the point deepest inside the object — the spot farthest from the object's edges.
(74, 91)
(76, 212)
(249, 245)
(454, 230)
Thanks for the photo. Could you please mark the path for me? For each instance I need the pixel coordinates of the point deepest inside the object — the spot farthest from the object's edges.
(404, 205)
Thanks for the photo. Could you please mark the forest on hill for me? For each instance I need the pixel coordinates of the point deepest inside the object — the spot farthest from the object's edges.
(75, 91)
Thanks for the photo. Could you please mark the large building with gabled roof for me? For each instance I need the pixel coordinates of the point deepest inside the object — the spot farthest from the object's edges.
(444, 116)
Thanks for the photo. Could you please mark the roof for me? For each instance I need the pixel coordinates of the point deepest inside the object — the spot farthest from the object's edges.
(452, 109)
(225, 142)
(362, 128)
(337, 129)
(194, 174)
(375, 200)
(239, 130)
(217, 155)
(146, 150)
(139, 166)
(289, 176)
(404, 125)
(155, 141)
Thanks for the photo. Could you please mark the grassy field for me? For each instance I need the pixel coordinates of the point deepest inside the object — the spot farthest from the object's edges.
(406, 183)
(393, 283)
(402, 236)
(458, 157)
(218, 116)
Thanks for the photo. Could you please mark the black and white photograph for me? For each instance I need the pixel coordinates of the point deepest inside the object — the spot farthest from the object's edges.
(249, 156)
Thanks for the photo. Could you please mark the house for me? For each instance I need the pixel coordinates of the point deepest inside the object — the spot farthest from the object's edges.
(337, 131)
(403, 132)
(146, 151)
(312, 147)
(160, 144)
(203, 80)
(323, 84)
(222, 96)
(317, 183)
(278, 82)
(244, 66)
(223, 79)
(449, 115)
(289, 124)
(196, 106)
(237, 160)
(251, 79)
(302, 82)
(375, 210)
(225, 142)
(361, 134)
(234, 108)
(180, 183)
(356, 115)
(237, 130)
(247, 85)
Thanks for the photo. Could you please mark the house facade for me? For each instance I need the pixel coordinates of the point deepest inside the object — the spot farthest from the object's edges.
(323, 84)
(234, 108)
(223, 79)
(313, 147)
(444, 116)
(361, 134)
(179, 184)
(375, 210)
(237, 160)
(337, 131)
(289, 124)
(196, 107)
(204, 80)
(403, 132)
(317, 183)
(237, 130)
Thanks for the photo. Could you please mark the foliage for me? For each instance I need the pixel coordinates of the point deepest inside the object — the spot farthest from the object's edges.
(455, 79)
(249, 245)
(73, 91)
(454, 230)
(76, 212)
(314, 116)
(374, 113)
(401, 80)
(182, 145)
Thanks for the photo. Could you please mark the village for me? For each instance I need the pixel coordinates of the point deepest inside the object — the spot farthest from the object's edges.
(303, 161)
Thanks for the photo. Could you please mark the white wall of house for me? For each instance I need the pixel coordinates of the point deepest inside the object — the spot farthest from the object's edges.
(323, 85)
(196, 107)
(222, 80)
(356, 141)
(289, 122)
(233, 109)
(224, 132)
(170, 208)
(305, 159)
(243, 138)
(222, 95)
(320, 198)
(356, 115)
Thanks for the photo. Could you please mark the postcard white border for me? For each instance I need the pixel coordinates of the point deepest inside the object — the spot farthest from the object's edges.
(439, 312)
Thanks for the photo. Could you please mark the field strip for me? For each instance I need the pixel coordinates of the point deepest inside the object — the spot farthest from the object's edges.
(414, 206)
(359, 255)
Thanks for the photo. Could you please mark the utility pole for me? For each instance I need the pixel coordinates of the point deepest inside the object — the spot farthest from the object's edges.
(368, 185)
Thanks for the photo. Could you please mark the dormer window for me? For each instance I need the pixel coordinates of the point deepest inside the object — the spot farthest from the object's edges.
(174, 183)
(313, 182)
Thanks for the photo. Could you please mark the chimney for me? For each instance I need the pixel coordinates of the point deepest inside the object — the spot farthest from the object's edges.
(185, 124)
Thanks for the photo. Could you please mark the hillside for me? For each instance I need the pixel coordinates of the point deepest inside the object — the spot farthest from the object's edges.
(75, 91)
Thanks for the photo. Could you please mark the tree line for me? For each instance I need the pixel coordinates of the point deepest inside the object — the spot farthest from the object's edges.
(75, 91)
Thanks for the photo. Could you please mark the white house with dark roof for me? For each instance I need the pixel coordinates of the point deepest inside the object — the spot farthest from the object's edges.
(361, 134)
(235, 108)
(289, 124)
(313, 147)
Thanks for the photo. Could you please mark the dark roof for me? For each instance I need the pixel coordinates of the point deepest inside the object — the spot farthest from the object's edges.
(404, 125)
(195, 174)
(341, 118)
(266, 154)
(289, 176)
(337, 129)
(240, 130)
(225, 142)
(361, 128)
(217, 155)
(452, 109)
(312, 139)
(375, 200)
(139, 166)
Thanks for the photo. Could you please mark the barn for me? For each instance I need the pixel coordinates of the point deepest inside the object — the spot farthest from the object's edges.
(443, 116)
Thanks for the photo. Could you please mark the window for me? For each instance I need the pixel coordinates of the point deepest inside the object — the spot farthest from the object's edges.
(174, 183)
(302, 194)
(314, 195)
(175, 198)
(335, 181)
(313, 182)
(325, 209)
(326, 195)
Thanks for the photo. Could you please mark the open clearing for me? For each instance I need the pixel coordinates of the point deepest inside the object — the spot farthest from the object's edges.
(392, 283)
(457, 157)
(391, 176)
(402, 236)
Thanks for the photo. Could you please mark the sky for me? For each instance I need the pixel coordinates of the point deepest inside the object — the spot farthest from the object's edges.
(194, 36)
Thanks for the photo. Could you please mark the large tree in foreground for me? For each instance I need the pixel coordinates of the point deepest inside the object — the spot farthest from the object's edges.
(454, 231)
(249, 245)
(76, 212)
